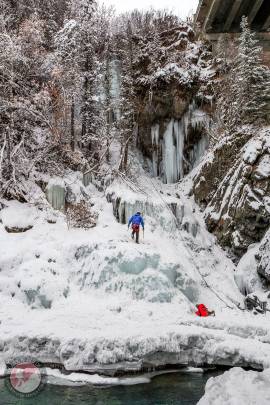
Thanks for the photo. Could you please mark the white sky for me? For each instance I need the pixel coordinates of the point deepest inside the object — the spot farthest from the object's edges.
(181, 7)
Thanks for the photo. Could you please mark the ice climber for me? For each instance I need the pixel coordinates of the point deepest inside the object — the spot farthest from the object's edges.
(135, 222)
(204, 311)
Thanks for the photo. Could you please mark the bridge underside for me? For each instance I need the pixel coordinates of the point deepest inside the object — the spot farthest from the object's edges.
(217, 17)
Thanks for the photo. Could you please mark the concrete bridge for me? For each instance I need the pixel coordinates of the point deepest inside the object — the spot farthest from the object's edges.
(216, 17)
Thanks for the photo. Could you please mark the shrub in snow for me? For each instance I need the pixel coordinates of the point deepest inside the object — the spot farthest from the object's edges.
(80, 215)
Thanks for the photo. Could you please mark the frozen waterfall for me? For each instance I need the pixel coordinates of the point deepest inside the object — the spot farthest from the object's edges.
(173, 146)
(55, 193)
(155, 144)
(115, 73)
(177, 151)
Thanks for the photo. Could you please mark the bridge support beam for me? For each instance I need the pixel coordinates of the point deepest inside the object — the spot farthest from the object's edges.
(254, 10)
(232, 15)
(266, 25)
(211, 15)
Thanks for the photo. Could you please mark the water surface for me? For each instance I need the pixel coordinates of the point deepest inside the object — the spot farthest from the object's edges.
(167, 389)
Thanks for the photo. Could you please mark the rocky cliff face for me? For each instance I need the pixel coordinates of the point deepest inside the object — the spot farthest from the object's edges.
(234, 189)
(263, 258)
(174, 104)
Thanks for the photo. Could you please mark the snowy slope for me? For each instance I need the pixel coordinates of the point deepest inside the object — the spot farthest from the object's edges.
(93, 300)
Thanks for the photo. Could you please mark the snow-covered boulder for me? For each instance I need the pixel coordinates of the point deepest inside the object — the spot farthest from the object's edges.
(18, 218)
(246, 275)
(238, 387)
(253, 271)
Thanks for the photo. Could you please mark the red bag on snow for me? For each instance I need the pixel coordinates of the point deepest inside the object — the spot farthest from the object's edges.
(202, 310)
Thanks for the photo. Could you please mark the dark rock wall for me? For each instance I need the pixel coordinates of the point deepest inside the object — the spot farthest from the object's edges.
(233, 186)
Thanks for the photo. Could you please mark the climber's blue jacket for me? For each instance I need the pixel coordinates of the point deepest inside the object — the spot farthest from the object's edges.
(136, 219)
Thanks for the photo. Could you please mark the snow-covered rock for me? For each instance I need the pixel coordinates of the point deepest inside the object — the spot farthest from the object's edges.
(246, 275)
(233, 185)
(252, 273)
(238, 387)
(18, 218)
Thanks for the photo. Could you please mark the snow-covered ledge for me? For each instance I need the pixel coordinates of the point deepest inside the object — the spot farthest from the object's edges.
(238, 387)
(188, 344)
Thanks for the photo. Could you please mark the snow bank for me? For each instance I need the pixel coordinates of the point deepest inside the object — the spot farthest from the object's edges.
(246, 275)
(252, 151)
(3, 369)
(93, 300)
(20, 216)
(238, 387)
(55, 377)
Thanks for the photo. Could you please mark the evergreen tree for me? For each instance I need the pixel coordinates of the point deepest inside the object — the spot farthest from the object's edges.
(245, 94)
(126, 124)
(77, 49)
(253, 85)
(24, 105)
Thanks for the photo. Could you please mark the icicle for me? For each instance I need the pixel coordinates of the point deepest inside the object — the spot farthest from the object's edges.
(199, 150)
(115, 79)
(155, 144)
(87, 179)
(56, 193)
(199, 119)
(177, 132)
(115, 73)
(173, 148)
(169, 154)
(180, 137)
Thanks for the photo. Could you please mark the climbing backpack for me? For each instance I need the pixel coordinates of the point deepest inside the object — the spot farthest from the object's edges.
(252, 303)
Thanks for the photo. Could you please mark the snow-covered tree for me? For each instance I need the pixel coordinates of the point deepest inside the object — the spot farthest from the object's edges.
(80, 47)
(25, 125)
(245, 93)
